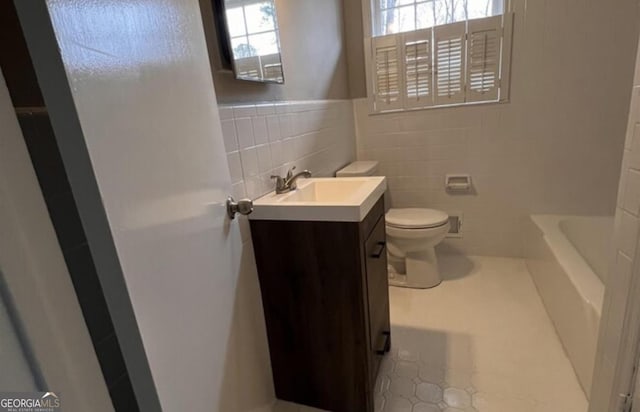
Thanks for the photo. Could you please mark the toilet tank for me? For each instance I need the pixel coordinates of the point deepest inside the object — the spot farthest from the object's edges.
(359, 168)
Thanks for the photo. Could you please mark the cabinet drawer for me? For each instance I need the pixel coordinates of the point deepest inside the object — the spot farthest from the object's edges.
(377, 294)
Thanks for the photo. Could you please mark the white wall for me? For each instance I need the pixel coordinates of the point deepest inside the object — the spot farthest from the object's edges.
(616, 346)
(16, 375)
(555, 148)
(37, 278)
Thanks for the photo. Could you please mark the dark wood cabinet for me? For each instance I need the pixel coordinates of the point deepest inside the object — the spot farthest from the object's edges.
(326, 302)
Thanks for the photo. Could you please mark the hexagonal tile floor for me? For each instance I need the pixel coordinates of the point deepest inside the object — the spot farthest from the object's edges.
(413, 385)
(479, 342)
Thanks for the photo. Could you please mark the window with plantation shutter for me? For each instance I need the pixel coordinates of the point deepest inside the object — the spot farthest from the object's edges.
(483, 59)
(467, 61)
(248, 67)
(388, 73)
(418, 67)
(449, 62)
(272, 68)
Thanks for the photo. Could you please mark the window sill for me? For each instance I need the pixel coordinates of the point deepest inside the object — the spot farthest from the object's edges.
(442, 106)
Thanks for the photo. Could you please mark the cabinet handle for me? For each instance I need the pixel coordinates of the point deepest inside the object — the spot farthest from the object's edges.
(378, 253)
(387, 344)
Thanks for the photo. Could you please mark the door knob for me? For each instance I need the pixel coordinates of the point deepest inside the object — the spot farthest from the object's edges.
(243, 206)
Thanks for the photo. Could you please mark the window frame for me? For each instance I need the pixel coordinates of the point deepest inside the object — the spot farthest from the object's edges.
(242, 4)
(369, 28)
(377, 22)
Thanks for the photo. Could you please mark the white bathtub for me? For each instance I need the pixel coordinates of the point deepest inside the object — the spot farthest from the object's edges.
(568, 258)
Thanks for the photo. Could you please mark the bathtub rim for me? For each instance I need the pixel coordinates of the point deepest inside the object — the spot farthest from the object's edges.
(582, 276)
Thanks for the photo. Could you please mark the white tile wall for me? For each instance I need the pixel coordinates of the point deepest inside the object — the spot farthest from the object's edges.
(417, 149)
(625, 270)
(554, 148)
(268, 139)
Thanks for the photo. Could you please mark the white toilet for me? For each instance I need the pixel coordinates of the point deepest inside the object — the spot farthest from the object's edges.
(412, 235)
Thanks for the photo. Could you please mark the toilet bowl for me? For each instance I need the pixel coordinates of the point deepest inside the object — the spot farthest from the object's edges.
(412, 235)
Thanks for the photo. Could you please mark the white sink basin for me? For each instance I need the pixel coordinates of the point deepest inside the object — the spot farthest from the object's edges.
(344, 199)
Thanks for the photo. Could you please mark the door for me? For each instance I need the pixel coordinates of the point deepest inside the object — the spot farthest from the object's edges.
(133, 106)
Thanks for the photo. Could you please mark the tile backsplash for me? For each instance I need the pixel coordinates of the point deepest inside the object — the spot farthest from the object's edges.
(267, 139)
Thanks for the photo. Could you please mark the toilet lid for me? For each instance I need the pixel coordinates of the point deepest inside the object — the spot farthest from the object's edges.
(416, 218)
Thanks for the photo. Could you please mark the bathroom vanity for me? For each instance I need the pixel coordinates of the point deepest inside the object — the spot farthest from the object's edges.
(324, 288)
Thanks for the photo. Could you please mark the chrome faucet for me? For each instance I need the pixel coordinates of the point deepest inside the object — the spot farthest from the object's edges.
(289, 183)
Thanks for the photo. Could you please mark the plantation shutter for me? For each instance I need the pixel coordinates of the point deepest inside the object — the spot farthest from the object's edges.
(483, 59)
(248, 67)
(450, 56)
(387, 73)
(418, 68)
(272, 67)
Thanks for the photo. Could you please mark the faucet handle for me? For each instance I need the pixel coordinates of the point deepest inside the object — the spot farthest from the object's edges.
(280, 183)
(290, 173)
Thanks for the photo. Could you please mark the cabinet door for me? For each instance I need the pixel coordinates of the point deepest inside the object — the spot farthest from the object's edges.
(378, 295)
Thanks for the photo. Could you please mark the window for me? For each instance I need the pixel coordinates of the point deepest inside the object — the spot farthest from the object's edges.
(427, 53)
(254, 37)
(398, 16)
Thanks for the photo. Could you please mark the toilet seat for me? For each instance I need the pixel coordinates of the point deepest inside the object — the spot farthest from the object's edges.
(415, 218)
